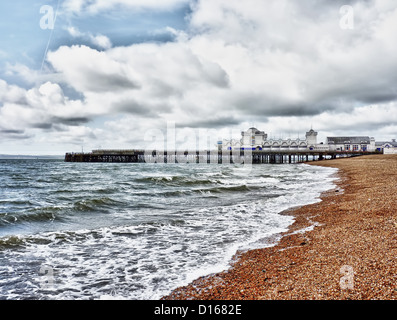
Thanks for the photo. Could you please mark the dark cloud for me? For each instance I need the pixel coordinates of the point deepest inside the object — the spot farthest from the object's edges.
(99, 82)
(211, 123)
(54, 122)
(11, 134)
(377, 96)
(133, 107)
(261, 107)
(347, 127)
(71, 121)
(42, 125)
(10, 131)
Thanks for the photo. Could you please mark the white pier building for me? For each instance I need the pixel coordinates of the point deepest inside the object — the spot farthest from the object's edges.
(254, 139)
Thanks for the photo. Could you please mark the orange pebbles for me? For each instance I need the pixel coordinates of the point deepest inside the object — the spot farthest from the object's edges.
(350, 253)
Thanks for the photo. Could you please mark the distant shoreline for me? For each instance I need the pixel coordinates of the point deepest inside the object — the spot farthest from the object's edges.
(29, 157)
(348, 253)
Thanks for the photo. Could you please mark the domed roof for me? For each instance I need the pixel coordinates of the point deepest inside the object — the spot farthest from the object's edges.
(254, 130)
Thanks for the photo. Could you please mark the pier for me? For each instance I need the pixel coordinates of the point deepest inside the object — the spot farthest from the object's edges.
(209, 157)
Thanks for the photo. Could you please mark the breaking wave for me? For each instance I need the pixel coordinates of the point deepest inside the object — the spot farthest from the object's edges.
(138, 231)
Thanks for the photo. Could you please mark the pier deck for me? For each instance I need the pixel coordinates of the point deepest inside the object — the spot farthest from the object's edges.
(216, 157)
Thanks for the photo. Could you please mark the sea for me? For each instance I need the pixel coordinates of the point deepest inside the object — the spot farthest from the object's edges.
(91, 231)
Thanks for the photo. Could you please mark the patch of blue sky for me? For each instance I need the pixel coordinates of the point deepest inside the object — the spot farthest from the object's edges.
(124, 28)
(24, 42)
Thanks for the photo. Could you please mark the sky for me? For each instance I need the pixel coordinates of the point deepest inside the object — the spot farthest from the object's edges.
(121, 74)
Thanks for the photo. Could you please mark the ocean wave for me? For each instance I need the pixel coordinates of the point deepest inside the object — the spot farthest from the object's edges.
(176, 180)
(46, 214)
(33, 213)
(217, 179)
(11, 243)
(96, 204)
(231, 189)
(20, 242)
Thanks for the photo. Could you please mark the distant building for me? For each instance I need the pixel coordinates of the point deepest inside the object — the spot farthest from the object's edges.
(311, 138)
(286, 144)
(232, 144)
(290, 144)
(387, 147)
(254, 139)
(351, 144)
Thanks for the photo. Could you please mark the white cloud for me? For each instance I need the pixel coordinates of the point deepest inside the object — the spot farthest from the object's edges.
(10, 93)
(146, 80)
(88, 70)
(99, 40)
(297, 59)
(74, 32)
(40, 108)
(95, 6)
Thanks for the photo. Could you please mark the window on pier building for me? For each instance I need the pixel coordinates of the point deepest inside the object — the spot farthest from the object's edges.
(355, 147)
(347, 147)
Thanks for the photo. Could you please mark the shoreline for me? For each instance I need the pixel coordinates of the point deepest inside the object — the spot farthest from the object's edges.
(343, 247)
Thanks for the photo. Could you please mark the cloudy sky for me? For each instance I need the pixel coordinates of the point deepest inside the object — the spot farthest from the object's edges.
(117, 73)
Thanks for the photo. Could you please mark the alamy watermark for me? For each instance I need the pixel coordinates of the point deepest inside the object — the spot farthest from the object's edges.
(47, 21)
(203, 146)
(346, 21)
(347, 280)
(46, 277)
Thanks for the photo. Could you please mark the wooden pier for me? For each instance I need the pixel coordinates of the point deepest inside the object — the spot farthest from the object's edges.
(209, 157)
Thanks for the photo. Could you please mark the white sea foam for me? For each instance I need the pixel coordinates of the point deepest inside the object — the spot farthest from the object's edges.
(148, 255)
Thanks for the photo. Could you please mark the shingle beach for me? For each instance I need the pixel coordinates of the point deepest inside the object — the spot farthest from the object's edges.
(344, 247)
